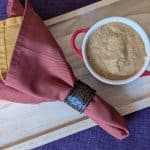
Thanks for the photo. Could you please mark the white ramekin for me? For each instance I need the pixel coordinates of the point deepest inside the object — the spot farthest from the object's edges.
(134, 26)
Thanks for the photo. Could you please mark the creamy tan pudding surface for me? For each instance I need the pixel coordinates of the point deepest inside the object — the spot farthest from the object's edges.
(116, 51)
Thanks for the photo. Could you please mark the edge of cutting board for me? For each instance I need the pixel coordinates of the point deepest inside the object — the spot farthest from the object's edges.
(79, 11)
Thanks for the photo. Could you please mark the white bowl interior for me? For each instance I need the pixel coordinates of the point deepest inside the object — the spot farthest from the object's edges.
(134, 26)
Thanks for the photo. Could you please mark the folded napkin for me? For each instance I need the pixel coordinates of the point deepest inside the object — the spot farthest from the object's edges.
(38, 72)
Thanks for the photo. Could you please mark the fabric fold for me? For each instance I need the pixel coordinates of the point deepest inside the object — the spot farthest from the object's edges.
(9, 29)
(14, 8)
(107, 118)
(39, 71)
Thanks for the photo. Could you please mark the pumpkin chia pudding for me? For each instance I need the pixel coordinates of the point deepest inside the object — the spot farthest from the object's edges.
(116, 51)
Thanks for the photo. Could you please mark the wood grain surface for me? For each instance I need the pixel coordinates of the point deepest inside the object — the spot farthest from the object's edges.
(28, 126)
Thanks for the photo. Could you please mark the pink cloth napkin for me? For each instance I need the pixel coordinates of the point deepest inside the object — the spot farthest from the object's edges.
(39, 72)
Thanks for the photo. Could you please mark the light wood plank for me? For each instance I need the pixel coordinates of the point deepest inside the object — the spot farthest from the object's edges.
(76, 126)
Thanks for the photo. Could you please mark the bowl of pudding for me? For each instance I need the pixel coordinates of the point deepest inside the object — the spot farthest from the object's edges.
(115, 50)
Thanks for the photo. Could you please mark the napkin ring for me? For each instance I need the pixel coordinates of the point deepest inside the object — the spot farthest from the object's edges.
(80, 96)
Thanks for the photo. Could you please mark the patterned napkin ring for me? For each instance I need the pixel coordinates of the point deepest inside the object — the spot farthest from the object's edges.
(80, 96)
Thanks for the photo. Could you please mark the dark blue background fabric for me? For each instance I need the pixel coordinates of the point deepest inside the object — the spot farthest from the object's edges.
(50, 8)
(3, 4)
(94, 138)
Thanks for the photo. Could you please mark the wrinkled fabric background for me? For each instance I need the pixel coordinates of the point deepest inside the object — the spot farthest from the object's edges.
(93, 138)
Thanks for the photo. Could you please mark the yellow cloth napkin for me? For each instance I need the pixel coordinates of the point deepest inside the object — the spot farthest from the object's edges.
(9, 30)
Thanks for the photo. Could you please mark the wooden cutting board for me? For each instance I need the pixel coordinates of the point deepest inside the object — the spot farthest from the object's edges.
(29, 126)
